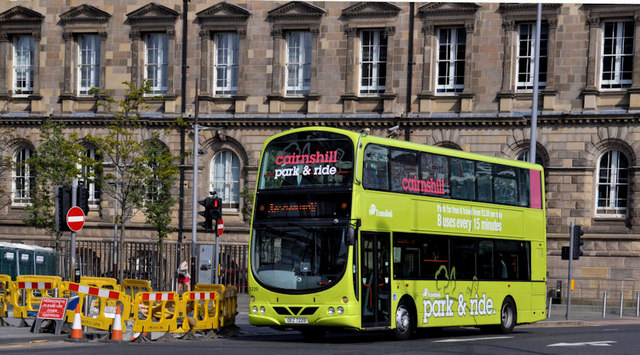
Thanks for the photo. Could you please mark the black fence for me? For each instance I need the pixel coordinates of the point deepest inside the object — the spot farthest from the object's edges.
(146, 260)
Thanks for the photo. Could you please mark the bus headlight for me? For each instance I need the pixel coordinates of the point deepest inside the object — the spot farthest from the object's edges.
(253, 298)
(331, 311)
(254, 309)
(340, 310)
(262, 310)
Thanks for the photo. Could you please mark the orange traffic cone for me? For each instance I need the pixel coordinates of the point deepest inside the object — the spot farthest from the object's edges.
(76, 330)
(116, 330)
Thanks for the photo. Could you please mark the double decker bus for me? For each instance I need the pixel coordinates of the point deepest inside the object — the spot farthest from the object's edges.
(354, 231)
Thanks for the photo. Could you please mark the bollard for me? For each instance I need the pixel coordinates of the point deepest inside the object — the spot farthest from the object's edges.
(550, 301)
(638, 305)
(604, 305)
(621, 303)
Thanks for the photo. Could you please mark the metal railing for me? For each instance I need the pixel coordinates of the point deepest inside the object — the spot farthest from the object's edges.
(611, 297)
(145, 260)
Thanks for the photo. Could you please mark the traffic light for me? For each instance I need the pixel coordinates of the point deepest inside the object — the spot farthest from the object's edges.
(216, 209)
(63, 204)
(577, 242)
(207, 214)
(82, 199)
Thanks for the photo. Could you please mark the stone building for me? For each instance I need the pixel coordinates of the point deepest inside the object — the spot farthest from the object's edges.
(452, 74)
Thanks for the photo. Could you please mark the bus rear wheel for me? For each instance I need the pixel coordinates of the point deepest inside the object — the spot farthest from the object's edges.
(405, 321)
(508, 316)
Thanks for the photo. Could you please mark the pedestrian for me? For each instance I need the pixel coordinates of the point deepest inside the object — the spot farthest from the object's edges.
(184, 278)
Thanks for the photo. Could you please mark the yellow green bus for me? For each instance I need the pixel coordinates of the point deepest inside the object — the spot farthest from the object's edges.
(354, 231)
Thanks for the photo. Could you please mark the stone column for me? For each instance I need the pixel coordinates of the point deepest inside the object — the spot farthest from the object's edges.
(549, 92)
(241, 96)
(349, 99)
(590, 91)
(206, 88)
(506, 93)
(136, 71)
(430, 48)
(313, 97)
(466, 97)
(68, 62)
(277, 76)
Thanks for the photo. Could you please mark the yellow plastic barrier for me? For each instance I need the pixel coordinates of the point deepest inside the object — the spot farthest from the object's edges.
(132, 287)
(97, 305)
(202, 309)
(4, 294)
(101, 282)
(164, 309)
(230, 305)
(27, 291)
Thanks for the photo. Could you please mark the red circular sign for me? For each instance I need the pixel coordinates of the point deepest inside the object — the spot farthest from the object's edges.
(75, 218)
(220, 226)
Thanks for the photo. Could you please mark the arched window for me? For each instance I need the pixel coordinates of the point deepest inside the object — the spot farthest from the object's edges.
(23, 179)
(225, 178)
(524, 156)
(613, 184)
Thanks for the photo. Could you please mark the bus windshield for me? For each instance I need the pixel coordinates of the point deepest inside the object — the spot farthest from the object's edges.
(299, 257)
(309, 159)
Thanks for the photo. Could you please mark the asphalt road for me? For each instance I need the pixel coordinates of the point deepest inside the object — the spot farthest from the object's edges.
(607, 339)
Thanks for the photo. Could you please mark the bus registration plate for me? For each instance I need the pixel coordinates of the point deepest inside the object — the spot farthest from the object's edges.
(296, 320)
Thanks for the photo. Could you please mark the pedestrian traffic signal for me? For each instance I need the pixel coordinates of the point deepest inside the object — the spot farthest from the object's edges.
(216, 209)
(577, 242)
(207, 214)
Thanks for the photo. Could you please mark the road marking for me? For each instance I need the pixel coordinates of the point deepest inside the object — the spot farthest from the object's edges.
(587, 343)
(458, 340)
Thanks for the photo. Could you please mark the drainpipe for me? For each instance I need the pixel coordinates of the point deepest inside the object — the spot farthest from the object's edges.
(407, 128)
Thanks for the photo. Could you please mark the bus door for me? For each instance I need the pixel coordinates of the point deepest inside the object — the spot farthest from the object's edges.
(376, 283)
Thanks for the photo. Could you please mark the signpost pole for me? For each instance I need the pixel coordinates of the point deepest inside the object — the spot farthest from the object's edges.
(571, 236)
(217, 278)
(74, 190)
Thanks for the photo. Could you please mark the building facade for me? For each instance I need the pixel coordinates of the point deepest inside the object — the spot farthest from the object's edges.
(458, 75)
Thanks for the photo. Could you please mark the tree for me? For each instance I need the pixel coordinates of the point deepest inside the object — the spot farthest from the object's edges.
(122, 147)
(56, 161)
(161, 176)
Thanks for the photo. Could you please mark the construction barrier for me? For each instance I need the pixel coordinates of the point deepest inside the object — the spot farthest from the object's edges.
(132, 287)
(230, 306)
(5, 280)
(27, 291)
(202, 309)
(162, 312)
(98, 305)
(208, 307)
(101, 282)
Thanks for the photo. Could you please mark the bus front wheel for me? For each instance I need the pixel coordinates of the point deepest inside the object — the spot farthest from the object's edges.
(508, 316)
(405, 321)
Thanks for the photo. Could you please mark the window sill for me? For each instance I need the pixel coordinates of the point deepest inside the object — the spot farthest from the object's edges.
(605, 217)
(24, 98)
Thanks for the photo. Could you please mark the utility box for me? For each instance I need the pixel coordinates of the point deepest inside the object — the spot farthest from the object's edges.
(206, 264)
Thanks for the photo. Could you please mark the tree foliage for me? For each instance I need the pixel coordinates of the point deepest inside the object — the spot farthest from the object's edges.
(140, 170)
(57, 161)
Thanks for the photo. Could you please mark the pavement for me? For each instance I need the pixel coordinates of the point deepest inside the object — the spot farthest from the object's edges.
(579, 316)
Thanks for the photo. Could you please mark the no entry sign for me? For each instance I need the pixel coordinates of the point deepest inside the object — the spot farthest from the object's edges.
(220, 226)
(75, 218)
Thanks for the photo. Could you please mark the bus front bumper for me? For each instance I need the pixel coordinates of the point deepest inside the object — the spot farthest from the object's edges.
(342, 321)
